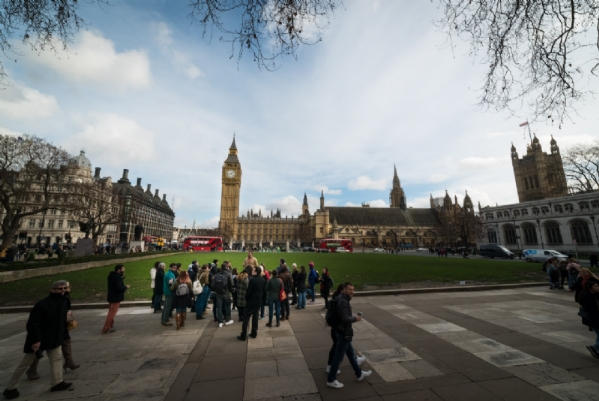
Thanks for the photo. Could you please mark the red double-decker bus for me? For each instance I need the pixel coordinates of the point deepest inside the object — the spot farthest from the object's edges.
(200, 243)
(333, 244)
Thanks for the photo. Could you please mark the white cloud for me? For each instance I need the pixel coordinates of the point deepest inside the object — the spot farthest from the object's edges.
(327, 191)
(436, 178)
(7, 132)
(482, 163)
(21, 102)
(93, 59)
(289, 206)
(210, 223)
(365, 182)
(180, 60)
(114, 140)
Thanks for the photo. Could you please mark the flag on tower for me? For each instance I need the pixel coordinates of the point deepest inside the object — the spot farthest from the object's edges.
(524, 124)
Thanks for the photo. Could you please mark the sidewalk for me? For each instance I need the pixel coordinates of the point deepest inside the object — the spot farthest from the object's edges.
(518, 344)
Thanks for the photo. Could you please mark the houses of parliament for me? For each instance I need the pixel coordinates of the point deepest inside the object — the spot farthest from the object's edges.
(393, 226)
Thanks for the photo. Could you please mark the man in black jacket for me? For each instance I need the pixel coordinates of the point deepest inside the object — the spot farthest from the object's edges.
(45, 332)
(253, 299)
(116, 294)
(343, 336)
(588, 300)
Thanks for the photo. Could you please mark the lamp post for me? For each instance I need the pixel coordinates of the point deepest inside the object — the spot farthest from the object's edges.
(497, 231)
(516, 233)
(540, 233)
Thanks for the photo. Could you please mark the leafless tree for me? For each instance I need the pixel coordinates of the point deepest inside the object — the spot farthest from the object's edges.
(266, 29)
(581, 165)
(225, 230)
(537, 52)
(95, 204)
(32, 176)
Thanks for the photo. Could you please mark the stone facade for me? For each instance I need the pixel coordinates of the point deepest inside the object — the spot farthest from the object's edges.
(365, 226)
(539, 175)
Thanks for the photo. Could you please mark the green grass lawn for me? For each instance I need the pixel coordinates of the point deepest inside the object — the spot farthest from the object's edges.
(372, 269)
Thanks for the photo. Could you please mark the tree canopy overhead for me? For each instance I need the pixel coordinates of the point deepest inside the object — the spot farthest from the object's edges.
(540, 54)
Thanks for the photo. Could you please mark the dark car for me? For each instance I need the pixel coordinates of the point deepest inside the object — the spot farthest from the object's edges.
(308, 249)
(495, 251)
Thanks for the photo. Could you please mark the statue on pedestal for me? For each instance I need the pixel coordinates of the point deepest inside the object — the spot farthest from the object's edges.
(139, 229)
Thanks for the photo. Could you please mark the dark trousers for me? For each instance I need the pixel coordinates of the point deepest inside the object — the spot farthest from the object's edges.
(223, 308)
(240, 310)
(251, 312)
(563, 276)
(234, 300)
(342, 348)
(156, 299)
(285, 308)
(294, 294)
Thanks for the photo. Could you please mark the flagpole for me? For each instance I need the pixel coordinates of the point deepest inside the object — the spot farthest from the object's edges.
(529, 134)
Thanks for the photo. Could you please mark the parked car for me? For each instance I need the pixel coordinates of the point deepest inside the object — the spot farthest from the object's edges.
(378, 250)
(495, 251)
(541, 255)
(323, 250)
(341, 250)
(308, 249)
(421, 250)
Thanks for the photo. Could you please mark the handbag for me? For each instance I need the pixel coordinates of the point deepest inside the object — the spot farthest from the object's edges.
(282, 293)
(197, 287)
(72, 324)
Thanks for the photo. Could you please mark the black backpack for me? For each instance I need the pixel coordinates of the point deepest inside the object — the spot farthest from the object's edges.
(219, 283)
(332, 316)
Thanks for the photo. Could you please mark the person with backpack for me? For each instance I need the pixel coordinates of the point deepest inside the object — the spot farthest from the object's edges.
(202, 298)
(182, 289)
(285, 277)
(312, 280)
(301, 288)
(326, 284)
(253, 299)
(341, 319)
(273, 289)
(222, 285)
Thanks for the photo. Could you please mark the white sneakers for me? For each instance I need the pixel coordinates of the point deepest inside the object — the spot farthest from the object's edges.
(329, 369)
(360, 359)
(335, 384)
(220, 325)
(365, 374)
(229, 322)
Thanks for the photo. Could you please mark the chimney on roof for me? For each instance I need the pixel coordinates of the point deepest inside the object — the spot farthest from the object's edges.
(164, 197)
(97, 174)
(125, 174)
(156, 193)
(149, 187)
(138, 182)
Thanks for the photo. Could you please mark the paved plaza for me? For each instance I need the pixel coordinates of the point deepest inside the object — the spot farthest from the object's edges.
(521, 344)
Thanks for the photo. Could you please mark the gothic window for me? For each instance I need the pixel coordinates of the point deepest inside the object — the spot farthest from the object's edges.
(569, 207)
(581, 232)
(583, 205)
(544, 209)
(489, 216)
(516, 213)
(509, 234)
(530, 234)
(595, 204)
(524, 212)
(553, 233)
(558, 208)
(535, 211)
(492, 234)
(506, 213)
(499, 215)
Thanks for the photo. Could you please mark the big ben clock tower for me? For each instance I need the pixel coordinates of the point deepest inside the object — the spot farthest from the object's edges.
(229, 201)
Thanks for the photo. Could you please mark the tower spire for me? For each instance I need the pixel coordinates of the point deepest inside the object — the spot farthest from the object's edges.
(395, 177)
(233, 146)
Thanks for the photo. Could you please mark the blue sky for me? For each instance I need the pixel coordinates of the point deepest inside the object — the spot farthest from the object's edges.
(141, 89)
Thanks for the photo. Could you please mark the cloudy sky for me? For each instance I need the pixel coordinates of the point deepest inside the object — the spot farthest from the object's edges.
(141, 89)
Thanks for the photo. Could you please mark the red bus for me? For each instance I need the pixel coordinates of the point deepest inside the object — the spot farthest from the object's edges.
(199, 243)
(333, 243)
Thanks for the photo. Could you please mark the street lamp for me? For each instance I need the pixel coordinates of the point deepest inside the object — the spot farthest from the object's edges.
(540, 233)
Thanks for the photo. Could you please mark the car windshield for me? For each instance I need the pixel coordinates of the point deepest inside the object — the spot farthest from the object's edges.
(504, 249)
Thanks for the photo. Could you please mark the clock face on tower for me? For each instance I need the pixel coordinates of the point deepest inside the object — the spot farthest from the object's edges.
(230, 173)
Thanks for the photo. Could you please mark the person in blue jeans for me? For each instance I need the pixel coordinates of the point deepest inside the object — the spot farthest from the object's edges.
(169, 279)
(273, 288)
(301, 288)
(342, 342)
(202, 299)
(312, 280)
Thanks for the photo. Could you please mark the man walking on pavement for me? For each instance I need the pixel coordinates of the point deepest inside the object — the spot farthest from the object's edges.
(45, 332)
(253, 298)
(169, 279)
(343, 335)
(116, 295)
(222, 285)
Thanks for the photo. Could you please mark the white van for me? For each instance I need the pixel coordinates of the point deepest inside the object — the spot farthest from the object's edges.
(541, 255)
